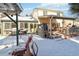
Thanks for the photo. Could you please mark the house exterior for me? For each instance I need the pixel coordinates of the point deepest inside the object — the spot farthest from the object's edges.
(40, 12)
(54, 19)
(37, 12)
(27, 23)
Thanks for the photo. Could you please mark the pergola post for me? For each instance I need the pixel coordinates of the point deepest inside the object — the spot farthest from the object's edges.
(50, 26)
(16, 22)
(73, 22)
(9, 17)
(17, 31)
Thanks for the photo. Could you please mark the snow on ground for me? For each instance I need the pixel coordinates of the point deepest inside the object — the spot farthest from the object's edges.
(75, 39)
(47, 47)
(2, 37)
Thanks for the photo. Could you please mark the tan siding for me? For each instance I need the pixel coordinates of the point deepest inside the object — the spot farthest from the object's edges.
(44, 20)
(66, 22)
(51, 13)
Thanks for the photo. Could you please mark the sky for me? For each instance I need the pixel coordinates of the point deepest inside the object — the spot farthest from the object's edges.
(28, 7)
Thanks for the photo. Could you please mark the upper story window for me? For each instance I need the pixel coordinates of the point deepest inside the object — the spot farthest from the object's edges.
(40, 13)
(51, 13)
(61, 14)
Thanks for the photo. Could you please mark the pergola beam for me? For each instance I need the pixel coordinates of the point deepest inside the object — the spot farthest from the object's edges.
(9, 17)
(16, 22)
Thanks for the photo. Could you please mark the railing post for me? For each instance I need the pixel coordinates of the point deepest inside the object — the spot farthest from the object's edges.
(50, 26)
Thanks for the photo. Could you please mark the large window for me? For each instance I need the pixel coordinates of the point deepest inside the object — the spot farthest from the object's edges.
(7, 25)
(31, 26)
(34, 25)
(26, 25)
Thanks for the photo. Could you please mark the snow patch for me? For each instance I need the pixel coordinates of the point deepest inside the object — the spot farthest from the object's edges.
(75, 39)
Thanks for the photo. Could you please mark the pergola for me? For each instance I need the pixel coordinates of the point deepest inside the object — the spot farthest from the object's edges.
(7, 9)
(51, 17)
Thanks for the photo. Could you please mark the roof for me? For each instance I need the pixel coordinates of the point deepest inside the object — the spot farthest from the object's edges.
(57, 17)
(9, 8)
(20, 18)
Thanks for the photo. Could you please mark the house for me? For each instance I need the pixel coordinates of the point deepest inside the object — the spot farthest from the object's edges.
(54, 19)
(42, 13)
(37, 12)
(27, 23)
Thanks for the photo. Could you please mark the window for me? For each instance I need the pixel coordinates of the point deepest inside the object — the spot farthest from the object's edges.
(45, 12)
(26, 25)
(58, 14)
(34, 25)
(7, 25)
(40, 13)
(21, 25)
(51, 13)
(13, 25)
(31, 26)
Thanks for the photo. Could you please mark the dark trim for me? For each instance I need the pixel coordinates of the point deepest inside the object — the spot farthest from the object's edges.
(56, 17)
(9, 17)
(17, 31)
(18, 21)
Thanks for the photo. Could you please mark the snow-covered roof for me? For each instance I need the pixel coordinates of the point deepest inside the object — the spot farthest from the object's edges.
(20, 18)
(57, 17)
(10, 8)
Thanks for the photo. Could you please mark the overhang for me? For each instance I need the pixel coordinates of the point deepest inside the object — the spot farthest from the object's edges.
(57, 17)
(9, 8)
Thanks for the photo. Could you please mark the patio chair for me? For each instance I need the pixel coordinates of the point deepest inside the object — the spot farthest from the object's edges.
(27, 50)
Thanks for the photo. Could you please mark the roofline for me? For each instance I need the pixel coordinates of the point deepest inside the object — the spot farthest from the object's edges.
(19, 21)
(56, 17)
(49, 10)
(20, 7)
(17, 9)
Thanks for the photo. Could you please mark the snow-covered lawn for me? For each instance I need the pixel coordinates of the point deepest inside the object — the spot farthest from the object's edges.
(2, 37)
(47, 47)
